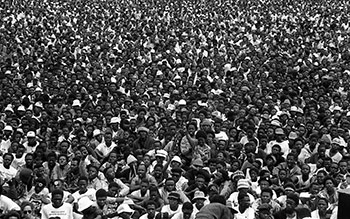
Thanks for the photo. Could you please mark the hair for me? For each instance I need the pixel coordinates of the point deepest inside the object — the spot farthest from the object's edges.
(25, 204)
(12, 213)
(101, 193)
(329, 178)
(57, 192)
(187, 206)
(242, 195)
(267, 190)
(83, 178)
(218, 199)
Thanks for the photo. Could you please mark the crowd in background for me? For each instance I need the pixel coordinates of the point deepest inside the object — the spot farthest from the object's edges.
(174, 109)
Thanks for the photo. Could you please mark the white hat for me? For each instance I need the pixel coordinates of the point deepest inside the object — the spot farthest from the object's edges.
(97, 132)
(198, 195)
(115, 120)
(182, 102)
(76, 103)
(39, 104)
(9, 108)
(8, 128)
(21, 108)
(166, 95)
(31, 134)
(243, 184)
(130, 159)
(84, 203)
(124, 208)
(8, 72)
(161, 153)
(38, 89)
(176, 159)
(336, 141)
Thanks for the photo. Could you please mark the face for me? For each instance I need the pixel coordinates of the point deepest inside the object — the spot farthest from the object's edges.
(170, 185)
(141, 171)
(151, 210)
(187, 213)
(264, 184)
(322, 205)
(265, 197)
(7, 160)
(199, 203)
(82, 186)
(57, 200)
(27, 210)
(244, 202)
(101, 201)
(92, 172)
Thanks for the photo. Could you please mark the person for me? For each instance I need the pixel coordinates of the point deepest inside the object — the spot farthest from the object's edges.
(244, 210)
(264, 212)
(151, 210)
(291, 210)
(57, 208)
(88, 210)
(198, 199)
(6, 204)
(186, 212)
(27, 210)
(322, 210)
(216, 209)
(174, 205)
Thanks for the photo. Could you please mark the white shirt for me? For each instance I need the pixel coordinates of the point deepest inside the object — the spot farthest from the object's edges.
(63, 212)
(284, 147)
(234, 199)
(166, 208)
(180, 215)
(90, 193)
(6, 204)
(7, 173)
(145, 216)
(104, 149)
(249, 213)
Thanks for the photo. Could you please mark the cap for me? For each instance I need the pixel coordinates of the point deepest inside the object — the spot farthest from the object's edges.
(130, 159)
(206, 122)
(174, 195)
(293, 197)
(198, 162)
(336, 141)
(31, 134)
(9, 108)
(115, 120)
(76, 103)
(198, 195)
(161, 153)
(182, 102)
(39, 104)
(293, 135)
(176, 159)
(84, 203)
(97, 132)
(143, 129)
(8, 128)
(279, 131)
(243, 184)
(21, 108)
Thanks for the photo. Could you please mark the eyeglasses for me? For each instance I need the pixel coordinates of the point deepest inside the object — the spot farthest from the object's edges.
(27, 212)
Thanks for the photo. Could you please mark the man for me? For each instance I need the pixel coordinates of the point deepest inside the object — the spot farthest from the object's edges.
(144, 141)
(6, 204)
(244, 209)
(290, 165)
(151, 210)
(7, 172)
(57, 208)
(266, 198)
(174, 205)
(291, 211)
(198, 200)
(186, 213)
(242, 186)
(104, 148)
(284, 144)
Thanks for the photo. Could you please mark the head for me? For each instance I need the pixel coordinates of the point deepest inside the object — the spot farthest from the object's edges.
(57, 197)
(187, 209)
(101, 197)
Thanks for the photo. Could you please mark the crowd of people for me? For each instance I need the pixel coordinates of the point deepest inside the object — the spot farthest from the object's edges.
(174, 109)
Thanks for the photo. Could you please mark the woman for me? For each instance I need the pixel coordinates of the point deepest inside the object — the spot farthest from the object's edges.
(27, 209)
(330, 191)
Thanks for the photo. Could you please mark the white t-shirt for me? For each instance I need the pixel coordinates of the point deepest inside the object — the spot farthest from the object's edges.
(6, 204)
(166, 208)
(249, 213)
(63, 212)
(7, 173)
(104, 149)
(90, 193)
